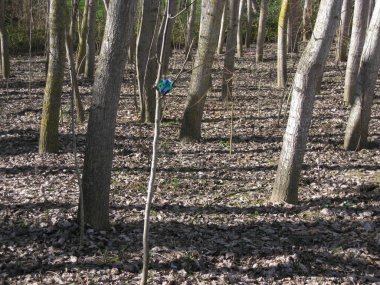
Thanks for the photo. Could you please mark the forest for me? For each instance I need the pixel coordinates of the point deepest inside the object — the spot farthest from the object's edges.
(189, 142)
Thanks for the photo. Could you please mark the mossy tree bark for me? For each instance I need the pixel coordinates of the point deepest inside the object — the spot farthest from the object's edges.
(357, 127)
(101, 126)
(281, 44)
(4, 52)
(344, 31)
(201, 76)
(309, 68)
(89, 69)
(359, 27)
(54, 81)
(229, 57)
(261, 31)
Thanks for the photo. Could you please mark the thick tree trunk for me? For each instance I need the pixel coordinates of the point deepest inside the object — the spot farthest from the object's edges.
(190, 27)
(239, 32)
(146, 58)
(223, 26)
(248, 27)
(261, 31)
(101, 126)
(344, 31)
(81, 53)
(54, 81)
(359, 28)
(310, 66)
(4, 53)
(357, 127)
(229, 57)
(306, 20)
(90, 41)
(281, 44)
(201, 76)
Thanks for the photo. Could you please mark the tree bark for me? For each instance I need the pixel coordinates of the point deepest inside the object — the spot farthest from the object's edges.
(281, 44)
(370, 12)
(359, 28)
(223, 26)
(89, 69)
(81, 53)
(344, 31)
(248, 35)
(201, 75)
(4, 52)
(357, 127)
(190, 26)
(306, 20)
(101, 126)
(229, 57)
(261, 31)
(310, 66)
(293, 26)
(239, 32)
(54, 81)
(73, 22)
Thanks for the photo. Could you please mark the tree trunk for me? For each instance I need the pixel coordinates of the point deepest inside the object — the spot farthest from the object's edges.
(261, 31)
(359, 27)
(344, 31)
(201, 76)
(370, 12)
(255, 6)
(190, 27)
(293, 26)
(73, 22)
(310, 66)
(223, 25)
(281, 44)
(81, 53)
(357, 127)
(101, 126)
(306, 20)
(54, 81)
(229, 57)
(248, 35)
(90, 41)
(146, 58)
(4, 52)
(239, 33)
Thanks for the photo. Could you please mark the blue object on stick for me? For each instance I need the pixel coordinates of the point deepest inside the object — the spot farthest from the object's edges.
(165, 86)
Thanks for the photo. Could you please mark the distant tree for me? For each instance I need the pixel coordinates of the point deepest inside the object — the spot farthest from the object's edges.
(306, 20)
(281, 44)
(101, 125)
(229, 57)
(357, 127)
(54, 81)
(190, 26)
(261, 31)
(293, 26)
(344, 31)
(223, 26)
(248, 27)
(81, 52)
(310, 66)
(201, 76)
(4, 58)
(239, 32)
(89, 68)
(359, 27)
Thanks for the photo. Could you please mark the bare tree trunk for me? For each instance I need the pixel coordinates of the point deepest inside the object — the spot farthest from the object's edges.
(201, 76)
(223, 25)
(248, 35)
(281, 44)
(357, 127)
(359, 28)
(239, 33)
(344, 31)
(190, 27)
(310, 66)
(101, 126)
(229, 57)
(146, 58)
(306, 20)
(4, 59)
(90, 41)
(73, 22)
(54, 81)
(81, 53)
(370, 12)
(293, 26)
(261, 31)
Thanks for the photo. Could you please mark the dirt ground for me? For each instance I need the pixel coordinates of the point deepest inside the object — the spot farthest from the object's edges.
(212, 222)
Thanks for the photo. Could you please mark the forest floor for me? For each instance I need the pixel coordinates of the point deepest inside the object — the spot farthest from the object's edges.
(212, 222)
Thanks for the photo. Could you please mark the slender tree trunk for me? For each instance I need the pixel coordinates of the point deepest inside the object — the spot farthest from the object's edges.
(239, 32)
(310, 66)
(90, 41)
(281, 44)
(223, 25)
(293, 26)
(81, 53)
(261, 31)
(357, 127)
(306, 20)
(190, 26)
(4, 59)
(359, 28)
(201, 76)
(101, 126)
(255, 6)
(146, 58)
(54, 81)
(229, 57)
(73, 22)
(248, 35)
(344, 31)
